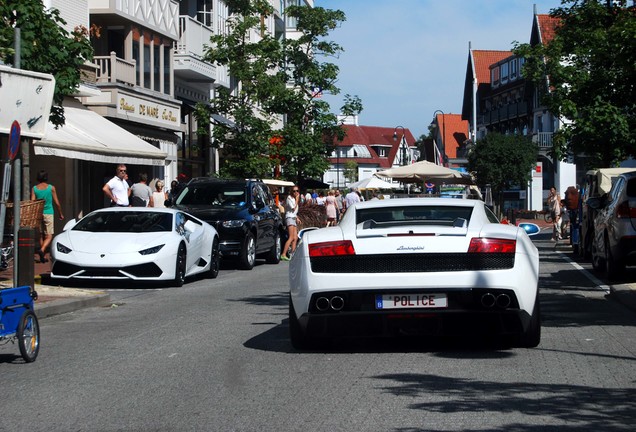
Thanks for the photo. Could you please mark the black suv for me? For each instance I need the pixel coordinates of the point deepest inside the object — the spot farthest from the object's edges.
(243, 213)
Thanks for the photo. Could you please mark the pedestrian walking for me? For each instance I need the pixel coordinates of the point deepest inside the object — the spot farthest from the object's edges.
(291, 220)
(331, 208)
(44, 190)
(117, 189)
(140, 193)
(554, 206)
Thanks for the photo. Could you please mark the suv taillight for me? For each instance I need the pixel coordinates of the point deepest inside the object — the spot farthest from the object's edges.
(335, 248)
(492, 245)
(623, 210)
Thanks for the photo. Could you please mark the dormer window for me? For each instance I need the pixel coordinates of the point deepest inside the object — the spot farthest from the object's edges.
(494, 76)
(504, 73)
(513, 70)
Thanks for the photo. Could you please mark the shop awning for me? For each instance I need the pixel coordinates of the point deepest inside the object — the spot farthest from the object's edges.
(91, 137)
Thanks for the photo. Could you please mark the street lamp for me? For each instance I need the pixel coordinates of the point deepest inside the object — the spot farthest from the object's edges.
(443, 134)
(404, 147)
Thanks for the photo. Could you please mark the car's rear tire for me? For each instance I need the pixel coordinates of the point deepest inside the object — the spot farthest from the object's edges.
(613, 268)
(247, 257)
(532, 336)
(215, 260)
(297, 336)
(273, 256)
(597, 261)
(180, 266)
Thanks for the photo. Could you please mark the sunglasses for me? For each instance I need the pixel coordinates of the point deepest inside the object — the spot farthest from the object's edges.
(295, 190)
(122, 170)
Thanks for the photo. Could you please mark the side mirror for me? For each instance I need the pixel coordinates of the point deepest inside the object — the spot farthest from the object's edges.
(70, 224)
(530, 228)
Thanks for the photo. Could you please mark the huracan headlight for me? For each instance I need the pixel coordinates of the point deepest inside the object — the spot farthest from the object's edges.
(152, 250)
(233, 223)
(63, 249)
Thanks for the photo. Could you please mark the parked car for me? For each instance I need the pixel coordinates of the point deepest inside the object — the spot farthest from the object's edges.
(135, 243)
(596, 183)
(243, 213)
(614, 243)
(415, 266)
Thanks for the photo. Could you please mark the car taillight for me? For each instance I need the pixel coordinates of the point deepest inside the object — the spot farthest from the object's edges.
(335, 248)
(623, 210)
(492, 245)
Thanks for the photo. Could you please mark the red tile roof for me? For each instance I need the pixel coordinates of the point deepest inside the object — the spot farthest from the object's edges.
(454, 131)
(547, 27)
(374, 135)
(482, 61)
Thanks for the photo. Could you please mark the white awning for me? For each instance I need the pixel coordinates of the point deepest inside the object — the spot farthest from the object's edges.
(91, 137)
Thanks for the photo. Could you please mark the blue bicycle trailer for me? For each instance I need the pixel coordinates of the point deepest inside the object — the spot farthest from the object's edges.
(18, 321)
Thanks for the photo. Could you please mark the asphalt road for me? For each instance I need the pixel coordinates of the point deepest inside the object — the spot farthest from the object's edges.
(214, 355)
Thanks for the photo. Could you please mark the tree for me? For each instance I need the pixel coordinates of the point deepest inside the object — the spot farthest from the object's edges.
(45, 47)
(503, 161)
(275, 79)
(586, 77)
(350, 171)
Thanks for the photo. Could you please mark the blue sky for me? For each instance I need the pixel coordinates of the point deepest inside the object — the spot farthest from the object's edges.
(407, 58)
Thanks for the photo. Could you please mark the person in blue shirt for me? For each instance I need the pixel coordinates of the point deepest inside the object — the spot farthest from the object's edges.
(44, 190)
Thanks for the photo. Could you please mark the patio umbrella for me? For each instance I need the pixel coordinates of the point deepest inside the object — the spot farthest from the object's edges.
(373, 183)
(425, 171)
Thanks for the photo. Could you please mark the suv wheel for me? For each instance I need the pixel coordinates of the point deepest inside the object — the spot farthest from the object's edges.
(247, 257)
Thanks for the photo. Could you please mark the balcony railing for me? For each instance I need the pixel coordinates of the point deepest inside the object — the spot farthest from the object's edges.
(543, 139)
(193, 35)
(115, 70)
(190, 49)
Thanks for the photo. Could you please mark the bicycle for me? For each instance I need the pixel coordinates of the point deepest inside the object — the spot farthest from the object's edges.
(6, 252)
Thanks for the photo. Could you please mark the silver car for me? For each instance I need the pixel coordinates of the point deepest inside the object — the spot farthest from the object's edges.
(614, 244)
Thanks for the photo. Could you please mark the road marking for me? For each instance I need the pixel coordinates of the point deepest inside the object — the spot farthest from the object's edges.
(599, 284)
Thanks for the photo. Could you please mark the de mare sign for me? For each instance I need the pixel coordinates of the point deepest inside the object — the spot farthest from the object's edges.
(148, 112)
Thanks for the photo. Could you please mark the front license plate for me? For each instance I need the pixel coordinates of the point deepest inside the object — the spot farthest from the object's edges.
(410, 301)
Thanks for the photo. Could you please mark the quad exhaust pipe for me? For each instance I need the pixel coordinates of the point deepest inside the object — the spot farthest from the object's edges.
(490, 300)
(335, 303)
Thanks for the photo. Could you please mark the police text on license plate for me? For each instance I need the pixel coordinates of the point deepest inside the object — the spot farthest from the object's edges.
(410, 301)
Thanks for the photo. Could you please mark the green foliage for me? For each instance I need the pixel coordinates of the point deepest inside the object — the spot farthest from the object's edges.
(503, 161)
(275, 79)
(590, 65)
(45, 47)
(350, 171)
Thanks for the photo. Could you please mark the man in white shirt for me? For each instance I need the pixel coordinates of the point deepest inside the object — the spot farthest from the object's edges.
(117, 189)
(351, 198)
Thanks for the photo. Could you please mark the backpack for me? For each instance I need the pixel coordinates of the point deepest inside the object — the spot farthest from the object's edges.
(136, 201)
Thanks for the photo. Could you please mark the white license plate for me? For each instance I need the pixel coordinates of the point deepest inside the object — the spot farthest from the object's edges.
(410, 301)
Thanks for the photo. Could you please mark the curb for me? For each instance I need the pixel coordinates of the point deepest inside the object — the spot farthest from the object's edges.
(65, 305)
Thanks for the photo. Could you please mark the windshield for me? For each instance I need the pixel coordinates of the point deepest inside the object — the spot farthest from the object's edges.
(213, 194)
(421, 215)
(125, 222)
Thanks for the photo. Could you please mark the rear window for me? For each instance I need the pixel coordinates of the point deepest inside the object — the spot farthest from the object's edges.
(631, 188)
(421, 215)
(213, 194)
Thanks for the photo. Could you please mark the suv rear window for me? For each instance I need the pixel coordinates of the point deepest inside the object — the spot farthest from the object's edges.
(213, 194)
(631, 188)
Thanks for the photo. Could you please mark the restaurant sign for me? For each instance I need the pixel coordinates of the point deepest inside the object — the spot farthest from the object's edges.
(145, 111)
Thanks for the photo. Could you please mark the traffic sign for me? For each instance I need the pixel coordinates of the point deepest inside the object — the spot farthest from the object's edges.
(14, 139)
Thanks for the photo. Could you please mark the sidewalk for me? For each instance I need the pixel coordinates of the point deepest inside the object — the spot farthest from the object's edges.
(55, 300)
